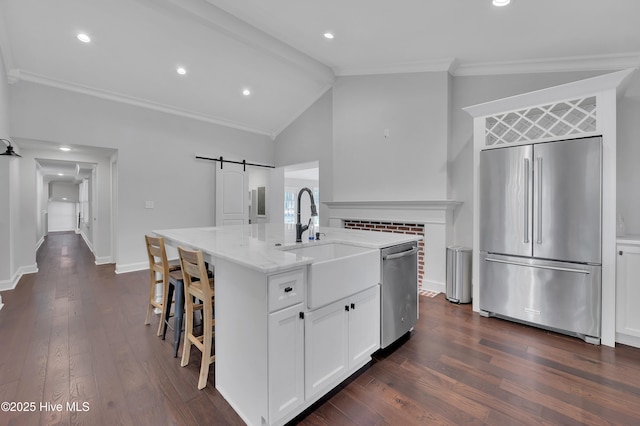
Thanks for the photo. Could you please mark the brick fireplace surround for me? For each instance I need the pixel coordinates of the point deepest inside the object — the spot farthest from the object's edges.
(396, 228)
(432, 219)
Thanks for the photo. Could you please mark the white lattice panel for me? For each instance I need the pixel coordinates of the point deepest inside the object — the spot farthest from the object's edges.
(555, 120)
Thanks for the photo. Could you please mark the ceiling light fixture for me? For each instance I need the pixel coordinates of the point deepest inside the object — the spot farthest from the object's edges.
(501, 2)
(10, 152)
(84, 38)
(246, 92)
(181, 71)
(64, 148)
(60, 174)
(328, 36)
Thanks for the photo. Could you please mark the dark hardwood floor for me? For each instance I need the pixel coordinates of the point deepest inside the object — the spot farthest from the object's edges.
(74, 333)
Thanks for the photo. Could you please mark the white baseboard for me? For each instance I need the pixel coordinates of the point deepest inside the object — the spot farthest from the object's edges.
(433, 286)
(626, 339)
(104, 260)
(1, 304)
(87, 242)
(61, 230)
(131, 267)
(11, 284)
(39, 243)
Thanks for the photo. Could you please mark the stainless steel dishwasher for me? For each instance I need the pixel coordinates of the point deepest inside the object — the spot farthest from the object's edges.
(399, 301)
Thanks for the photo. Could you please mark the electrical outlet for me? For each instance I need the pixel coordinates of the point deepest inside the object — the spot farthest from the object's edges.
(148, 204)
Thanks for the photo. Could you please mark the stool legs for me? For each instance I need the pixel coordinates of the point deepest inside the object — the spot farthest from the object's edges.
(167, 313)
(188, 330)
(178, 317)
(207, 341)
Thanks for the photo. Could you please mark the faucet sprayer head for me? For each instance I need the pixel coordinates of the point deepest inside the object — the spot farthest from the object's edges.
(314, 210)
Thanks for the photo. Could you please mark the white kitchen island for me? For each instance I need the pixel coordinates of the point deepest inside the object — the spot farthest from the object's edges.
(289, 327)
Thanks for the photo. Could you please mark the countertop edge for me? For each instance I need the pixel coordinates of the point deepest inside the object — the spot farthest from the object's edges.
(273, 266)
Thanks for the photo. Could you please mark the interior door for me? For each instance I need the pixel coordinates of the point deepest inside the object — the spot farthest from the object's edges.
(505, 200)
(232, 194)
(567, 200)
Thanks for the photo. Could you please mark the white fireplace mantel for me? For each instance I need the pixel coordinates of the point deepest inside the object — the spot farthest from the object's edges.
(435, 215)
(420, 211)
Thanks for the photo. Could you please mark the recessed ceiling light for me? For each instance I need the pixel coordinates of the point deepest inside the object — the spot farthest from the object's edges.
(64, 198)
(64, 148)
(181, 71)
(84, 38)
(60, 174)
(246, 92)
(501, 2)
(328, 36)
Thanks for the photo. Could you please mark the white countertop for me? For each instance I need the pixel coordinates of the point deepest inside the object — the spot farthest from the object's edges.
(254, 246)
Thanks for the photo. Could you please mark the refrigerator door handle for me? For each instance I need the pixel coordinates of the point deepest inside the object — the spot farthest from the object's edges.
(539, 202)
(554, 268)
(526, 200)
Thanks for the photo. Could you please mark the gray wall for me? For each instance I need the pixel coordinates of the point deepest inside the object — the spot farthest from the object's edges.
(310, 138)
(409, 164)
(156, 161)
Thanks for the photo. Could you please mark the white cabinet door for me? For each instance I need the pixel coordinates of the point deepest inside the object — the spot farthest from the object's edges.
(340, 337)
(364, 326)
(628, 290)
(286, 361)
(326, 347)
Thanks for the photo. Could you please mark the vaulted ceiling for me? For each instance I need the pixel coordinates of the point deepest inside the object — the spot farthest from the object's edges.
(276, 48)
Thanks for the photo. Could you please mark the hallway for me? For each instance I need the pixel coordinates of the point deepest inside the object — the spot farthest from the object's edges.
(82, 339)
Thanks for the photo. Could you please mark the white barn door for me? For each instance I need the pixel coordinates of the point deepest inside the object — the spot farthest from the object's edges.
(232, 194)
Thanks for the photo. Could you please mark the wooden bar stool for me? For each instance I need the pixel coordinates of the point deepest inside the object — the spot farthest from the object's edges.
(158, 264)
(198, 285)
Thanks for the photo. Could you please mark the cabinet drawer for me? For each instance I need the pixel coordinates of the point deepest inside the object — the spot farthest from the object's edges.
(286, 289)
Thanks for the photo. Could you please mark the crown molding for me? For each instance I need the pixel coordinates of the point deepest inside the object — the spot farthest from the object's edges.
(617, 80)
(26, 76)
(439, 65)
(568, 64)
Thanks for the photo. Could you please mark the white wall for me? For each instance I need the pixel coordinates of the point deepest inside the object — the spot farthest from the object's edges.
(42, 200)
(307, 139)
(60, 190)
(62, 216)
(628, 158)
(411, 163)
(6, 270)
(9, 169)
(156, 161)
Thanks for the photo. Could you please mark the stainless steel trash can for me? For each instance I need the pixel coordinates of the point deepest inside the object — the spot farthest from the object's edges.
(458, 274)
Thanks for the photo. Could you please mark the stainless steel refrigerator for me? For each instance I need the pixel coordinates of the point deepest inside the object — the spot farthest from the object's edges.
(540, 235)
